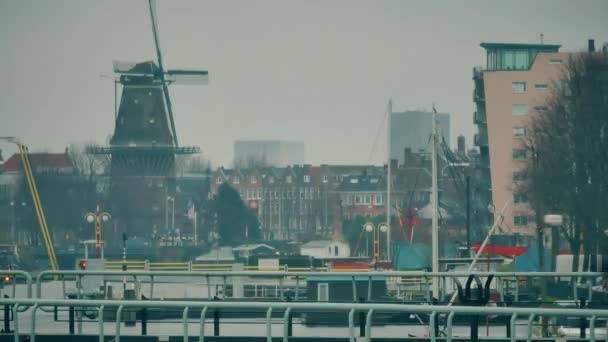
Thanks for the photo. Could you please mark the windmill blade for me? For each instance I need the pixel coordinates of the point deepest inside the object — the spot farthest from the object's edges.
(152, 4)
(195, 77)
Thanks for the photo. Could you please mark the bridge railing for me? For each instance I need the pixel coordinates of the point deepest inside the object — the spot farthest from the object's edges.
(531, 315)
(298, 277)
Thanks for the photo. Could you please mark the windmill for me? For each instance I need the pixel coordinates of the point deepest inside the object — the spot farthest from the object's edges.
(143, 149)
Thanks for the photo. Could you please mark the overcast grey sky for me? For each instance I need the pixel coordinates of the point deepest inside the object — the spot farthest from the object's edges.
(316, 71)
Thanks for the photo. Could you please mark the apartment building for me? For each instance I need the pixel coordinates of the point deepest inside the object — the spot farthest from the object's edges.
(508, 93)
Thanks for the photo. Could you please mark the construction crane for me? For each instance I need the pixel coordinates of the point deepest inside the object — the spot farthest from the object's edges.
(31, 182)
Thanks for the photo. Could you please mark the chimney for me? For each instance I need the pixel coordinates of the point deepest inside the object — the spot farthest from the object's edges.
(591, 45)
(394, 163)
(407, 156)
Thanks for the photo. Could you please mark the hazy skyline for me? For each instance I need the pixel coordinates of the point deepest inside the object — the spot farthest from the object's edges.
(320, 72)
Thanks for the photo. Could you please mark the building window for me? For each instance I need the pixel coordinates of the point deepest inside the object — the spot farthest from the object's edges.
(253, 180)
(519, 154)
(271, 180)
(357, 199)
(520, 198)
(519, 132)
(519, 109)
(322, 292)
(336, 250)
(520, 220)
(541, 86)
(367, 199)
(519, 176)
(306, 178)
(518, 87)
(218, 180)
(348, 200)
(288, 179)
(236, 180)
(555, 61)
(325, 179)
(378, 200)
(540, 109)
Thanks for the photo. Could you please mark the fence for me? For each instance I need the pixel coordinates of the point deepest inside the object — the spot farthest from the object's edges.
(288, 308)
(446, 278)
(145, 265)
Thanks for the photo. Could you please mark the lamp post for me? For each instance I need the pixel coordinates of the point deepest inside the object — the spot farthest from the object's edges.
(375, 230)
(12, 203)
(172, 200)
(97, 217)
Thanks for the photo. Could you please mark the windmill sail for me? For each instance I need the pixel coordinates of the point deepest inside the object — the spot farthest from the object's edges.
(152, 4)
(196, 77)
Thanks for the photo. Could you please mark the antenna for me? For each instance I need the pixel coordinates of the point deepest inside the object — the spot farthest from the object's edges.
(541, 38)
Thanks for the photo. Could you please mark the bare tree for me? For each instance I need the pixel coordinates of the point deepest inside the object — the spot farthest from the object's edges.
(568, 146)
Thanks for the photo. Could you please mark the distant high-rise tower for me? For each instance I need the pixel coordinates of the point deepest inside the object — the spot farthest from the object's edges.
(412, 129)
(461, 147)
(268, 152)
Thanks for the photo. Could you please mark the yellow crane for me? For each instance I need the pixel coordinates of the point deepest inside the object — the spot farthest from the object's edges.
(31, 182)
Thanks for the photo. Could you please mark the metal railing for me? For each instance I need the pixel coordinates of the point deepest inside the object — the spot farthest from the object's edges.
(14, 275)
(348, 309)
(501, 278)
(145, 265)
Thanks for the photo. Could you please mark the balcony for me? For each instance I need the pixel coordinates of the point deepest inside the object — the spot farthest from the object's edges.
(478, 95)
(477, 73)
(480, 139)
(479, 117)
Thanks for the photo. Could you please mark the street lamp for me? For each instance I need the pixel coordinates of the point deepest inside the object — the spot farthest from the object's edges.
(97, 217)
(375, 230)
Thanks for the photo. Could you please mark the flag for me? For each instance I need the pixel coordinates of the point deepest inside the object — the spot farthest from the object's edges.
(191, 211)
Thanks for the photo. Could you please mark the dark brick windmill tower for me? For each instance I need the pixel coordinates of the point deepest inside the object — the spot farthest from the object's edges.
(144, 147)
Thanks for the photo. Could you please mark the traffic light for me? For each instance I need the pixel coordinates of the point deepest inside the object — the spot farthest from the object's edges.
(82, 264)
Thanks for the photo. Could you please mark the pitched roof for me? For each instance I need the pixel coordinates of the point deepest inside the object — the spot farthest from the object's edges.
(38, 160)
(252, 247)
(319, 243)
(363, 183)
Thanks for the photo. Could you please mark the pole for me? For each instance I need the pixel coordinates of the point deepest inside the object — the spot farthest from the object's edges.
(115, 100)
(388, 181)
(13, 203)
(468, 214)
(195, 229)
(124, 263)
(166, 210)
(435, 200)
(98, 231)
(173, 214)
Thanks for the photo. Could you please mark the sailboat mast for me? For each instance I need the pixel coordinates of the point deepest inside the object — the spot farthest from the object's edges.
(388, 180)
(435, 203)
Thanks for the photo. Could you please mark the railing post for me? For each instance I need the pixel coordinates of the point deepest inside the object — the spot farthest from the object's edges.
(7, 317)
(216, 322)
(474, 328)
(71, 320)
(144, 320)
(582, 320)
(362, 324)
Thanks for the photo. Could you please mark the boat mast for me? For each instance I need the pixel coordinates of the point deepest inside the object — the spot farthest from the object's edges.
(435, 204)
(388, 180)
